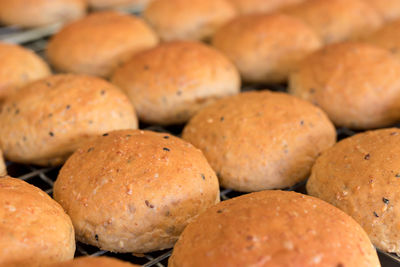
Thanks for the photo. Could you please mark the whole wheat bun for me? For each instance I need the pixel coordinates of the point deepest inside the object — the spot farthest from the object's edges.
(35, 13)
(356, 84)
(48, 119)
(169, 83)
(19, 66)
(262, 6)
(135, 191)
(338, 20)
(94, 262)
(188, 20)
(112, 4)
(387, 37)
(360, 175)
(265, 48)
(260, 140)
(35, 231)
(3, 167)
(98, 43)
(274, 228)
(389, 9)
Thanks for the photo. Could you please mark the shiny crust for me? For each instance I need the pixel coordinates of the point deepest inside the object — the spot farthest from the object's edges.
(274, 228)
(338, 20)
(260, 140)
(110, 4)
(265, 48)
(188, 20)
(262, 6)
(35, 231)
(356, 84)
(94, 262)
(98, 43)
(81, 107)
(360, 175)
(135, 191)
(389, 9)
(35, 13)
(19, 66)
(169, 83)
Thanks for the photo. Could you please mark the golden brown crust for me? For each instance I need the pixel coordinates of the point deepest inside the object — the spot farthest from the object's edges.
(111, 4)
(34, 13)
(19, 66)
(265, 48)
(188, 20)
(136, 190)
(274, 228)
(35, 230)
(356, 84)
(338, 20)
(389, 9)
(360, 175)
(94, 262)
(169, 83)
(260, 140)
(387, 37)
(48, 119)
(98, 43)
(262, 6)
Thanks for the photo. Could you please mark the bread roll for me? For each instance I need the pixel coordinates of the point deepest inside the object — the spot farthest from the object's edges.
(135, 191)
(35, 231)
(19, 66)
(387, 37)
(35, 13)
(260, 140)
(274, 228)
(112, 4)
(338, 20)
(48, 119)
(356, 84)
(3, 167)
(98, 43)
(188, 20)
(360, 175)
(265, 48)
(262, 6)
(389, 9)
(169, 83)
(94, 262)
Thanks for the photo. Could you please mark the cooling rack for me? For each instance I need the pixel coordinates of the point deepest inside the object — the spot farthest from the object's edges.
(44, 177)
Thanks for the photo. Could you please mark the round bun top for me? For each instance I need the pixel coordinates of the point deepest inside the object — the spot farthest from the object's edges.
(19, 66)
(360, 175)
(98, 43)
(188, 20)
(94, 262)
(35, 230)
(274, 228)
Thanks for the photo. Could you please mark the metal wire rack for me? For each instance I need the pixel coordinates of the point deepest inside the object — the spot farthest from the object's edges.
(44, 177)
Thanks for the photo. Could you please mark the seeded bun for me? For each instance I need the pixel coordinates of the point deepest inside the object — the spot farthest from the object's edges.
(164, 92)
(48, 119)
(338, 20)
(3, 168)
(35, 13)
(274, 228)
(389, 9)
(262, 6)
(265, 48)
(94, 262)
(360, 175)
(188, 20)
(260, 140)
(387, 37)
(135, 191)
(19, 66)
(98, 43)
(356, 84)
(112, 4)
(35, 230)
